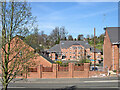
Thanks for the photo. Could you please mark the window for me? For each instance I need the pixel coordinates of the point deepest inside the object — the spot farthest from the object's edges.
(79, 53)
(70, 52)
(78, 56)
(74, 47)
(73, 56)
(79, 48)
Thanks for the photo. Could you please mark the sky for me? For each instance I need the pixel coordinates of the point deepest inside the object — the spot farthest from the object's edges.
(76, 17)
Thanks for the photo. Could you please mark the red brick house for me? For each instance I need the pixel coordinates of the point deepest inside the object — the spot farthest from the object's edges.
(73, 50)
(17, 42)
(111, 48)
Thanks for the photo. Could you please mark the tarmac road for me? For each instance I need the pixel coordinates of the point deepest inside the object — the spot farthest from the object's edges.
(67, 83)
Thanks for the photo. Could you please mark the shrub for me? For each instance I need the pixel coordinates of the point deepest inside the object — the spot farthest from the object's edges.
(114, 70)
(58, 62)
(85, 61)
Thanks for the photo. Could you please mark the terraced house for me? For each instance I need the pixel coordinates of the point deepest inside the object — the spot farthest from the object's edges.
(111, 49)
(73, 50)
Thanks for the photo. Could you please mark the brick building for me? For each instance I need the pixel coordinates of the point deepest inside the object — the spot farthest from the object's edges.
(73, 50)
(46, 68)
(20, 49)
(111, 48)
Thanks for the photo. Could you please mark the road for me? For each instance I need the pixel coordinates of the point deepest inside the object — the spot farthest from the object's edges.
(71, 83)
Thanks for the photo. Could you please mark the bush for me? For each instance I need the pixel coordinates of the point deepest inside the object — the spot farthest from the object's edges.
(58, 62)
(102, 58)
(114, 70)
(85, 61)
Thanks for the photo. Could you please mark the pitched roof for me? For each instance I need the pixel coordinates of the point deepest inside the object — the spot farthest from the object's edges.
(113, 33)
(47, 58)
(55, 48)
(67, 44)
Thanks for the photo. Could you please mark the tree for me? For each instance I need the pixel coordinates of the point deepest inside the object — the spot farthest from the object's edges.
(55, 35)
(16, 19)
(80, 37)
(65, 38)
(58, 34)
(88, 37)
(63, 33)
(75, 39)
(70, 37)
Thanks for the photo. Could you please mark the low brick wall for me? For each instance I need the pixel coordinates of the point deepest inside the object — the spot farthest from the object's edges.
(33, 75)
(56, 72)
(48, 75)
(80, 74)
(63, 74)
(71, 72)
(96, 73)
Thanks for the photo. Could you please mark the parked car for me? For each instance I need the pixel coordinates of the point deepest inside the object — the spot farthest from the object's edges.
(96, 69)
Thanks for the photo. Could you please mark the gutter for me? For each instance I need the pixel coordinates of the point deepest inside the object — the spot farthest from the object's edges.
(116, 43)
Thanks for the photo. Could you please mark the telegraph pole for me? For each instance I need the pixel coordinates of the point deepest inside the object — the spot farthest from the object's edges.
(94, 51)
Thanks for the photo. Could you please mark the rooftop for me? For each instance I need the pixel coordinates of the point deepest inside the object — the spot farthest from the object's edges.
(67, 44)
(113, 33)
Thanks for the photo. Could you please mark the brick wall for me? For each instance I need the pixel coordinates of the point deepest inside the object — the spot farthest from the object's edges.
(111, 54)
(115, 56)
(96, 73)
(75, 54)
(61, 74)
(71, 73)
(18, 45)
(107, 52)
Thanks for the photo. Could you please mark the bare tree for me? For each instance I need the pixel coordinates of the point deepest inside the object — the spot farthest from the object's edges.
(16, 19)
(80, 37)
(70, 37)
(63, 33)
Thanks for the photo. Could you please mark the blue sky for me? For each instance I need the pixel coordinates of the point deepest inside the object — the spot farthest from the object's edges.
(77, 17)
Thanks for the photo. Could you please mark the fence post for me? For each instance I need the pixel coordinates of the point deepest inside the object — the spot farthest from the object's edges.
(55, 69)
(40, 71)
(71, 68)
(87, 68)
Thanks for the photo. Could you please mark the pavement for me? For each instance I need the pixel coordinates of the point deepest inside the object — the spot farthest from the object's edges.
(66, 83)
